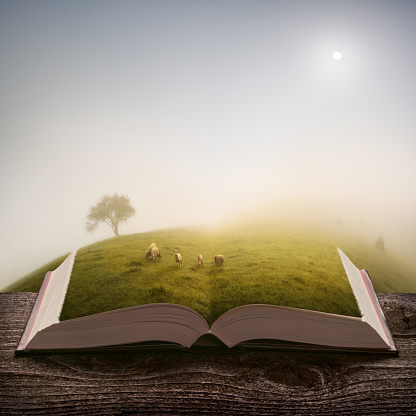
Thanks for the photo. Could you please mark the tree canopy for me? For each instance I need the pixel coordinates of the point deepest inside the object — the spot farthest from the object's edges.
(110, 210)
(380, 244)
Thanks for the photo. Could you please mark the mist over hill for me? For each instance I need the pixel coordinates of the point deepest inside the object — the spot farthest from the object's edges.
(388, 271)
(216, 107)
(355, 218)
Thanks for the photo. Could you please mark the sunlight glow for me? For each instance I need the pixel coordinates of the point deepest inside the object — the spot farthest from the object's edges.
(336, 56)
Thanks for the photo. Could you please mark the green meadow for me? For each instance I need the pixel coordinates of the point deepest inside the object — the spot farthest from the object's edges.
(274, 264)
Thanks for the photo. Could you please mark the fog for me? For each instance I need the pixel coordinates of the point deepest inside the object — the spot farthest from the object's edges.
(202, 111)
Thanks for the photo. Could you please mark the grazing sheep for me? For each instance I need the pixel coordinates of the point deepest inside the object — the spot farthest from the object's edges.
(148, 253)
(155, 253)
(178, 259)
(200, 260)
(219, 259)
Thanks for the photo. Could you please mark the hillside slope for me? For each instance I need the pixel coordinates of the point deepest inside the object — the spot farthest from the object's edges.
(288, 266)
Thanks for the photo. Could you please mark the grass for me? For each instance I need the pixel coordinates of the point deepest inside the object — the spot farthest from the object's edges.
(288, 266)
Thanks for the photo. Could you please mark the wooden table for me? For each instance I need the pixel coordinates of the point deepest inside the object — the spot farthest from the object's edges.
(243, 383)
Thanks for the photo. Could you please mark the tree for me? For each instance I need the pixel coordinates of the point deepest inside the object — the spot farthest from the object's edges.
(380, 244)
(111, 210)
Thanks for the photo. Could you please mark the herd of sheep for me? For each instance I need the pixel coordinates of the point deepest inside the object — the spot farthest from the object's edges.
(154, 253)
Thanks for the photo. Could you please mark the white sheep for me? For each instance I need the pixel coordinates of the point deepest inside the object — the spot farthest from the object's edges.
(219, 259)
(200, 260)
(148, 253)
(155, 253)
(178, 259)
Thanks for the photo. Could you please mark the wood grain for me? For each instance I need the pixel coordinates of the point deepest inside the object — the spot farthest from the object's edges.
(242, 383)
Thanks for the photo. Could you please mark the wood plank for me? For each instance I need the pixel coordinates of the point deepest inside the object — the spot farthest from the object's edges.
(261, 383)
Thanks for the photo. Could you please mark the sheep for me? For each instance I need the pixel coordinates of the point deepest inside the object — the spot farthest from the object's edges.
(155, 253)
(148, 253)
(200, 260)
(178, 259)
(219, 259)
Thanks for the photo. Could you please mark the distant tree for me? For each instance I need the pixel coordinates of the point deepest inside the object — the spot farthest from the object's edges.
(380, 244)
(111, 210)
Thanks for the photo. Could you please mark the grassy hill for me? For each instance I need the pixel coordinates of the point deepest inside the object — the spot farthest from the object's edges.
(288, 266)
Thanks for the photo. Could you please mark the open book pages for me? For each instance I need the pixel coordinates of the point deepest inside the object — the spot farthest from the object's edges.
(161, 324)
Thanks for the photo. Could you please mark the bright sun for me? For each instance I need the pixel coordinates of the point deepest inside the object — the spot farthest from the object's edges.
(336, 56)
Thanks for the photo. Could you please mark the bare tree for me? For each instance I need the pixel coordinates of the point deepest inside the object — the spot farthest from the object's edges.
(111, 210)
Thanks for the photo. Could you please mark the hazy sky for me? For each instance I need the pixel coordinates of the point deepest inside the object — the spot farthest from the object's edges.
(197, 109)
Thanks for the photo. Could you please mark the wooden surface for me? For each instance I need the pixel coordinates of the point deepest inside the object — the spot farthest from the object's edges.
(248, 383)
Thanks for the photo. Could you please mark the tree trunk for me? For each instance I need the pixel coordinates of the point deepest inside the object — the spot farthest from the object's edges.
(115, 229)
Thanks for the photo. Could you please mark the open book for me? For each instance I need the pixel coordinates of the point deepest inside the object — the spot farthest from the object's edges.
(165, 325)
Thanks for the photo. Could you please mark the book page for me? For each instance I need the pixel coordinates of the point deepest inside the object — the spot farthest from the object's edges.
(256, 322)
(364, 299)
(48, 305)
(155, 322)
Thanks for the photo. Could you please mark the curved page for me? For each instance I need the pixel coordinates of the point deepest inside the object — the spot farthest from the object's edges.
(154, 322)
(295, 325)
(49, 301)
(366, 298)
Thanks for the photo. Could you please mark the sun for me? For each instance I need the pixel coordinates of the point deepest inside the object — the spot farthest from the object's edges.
(337, 56)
